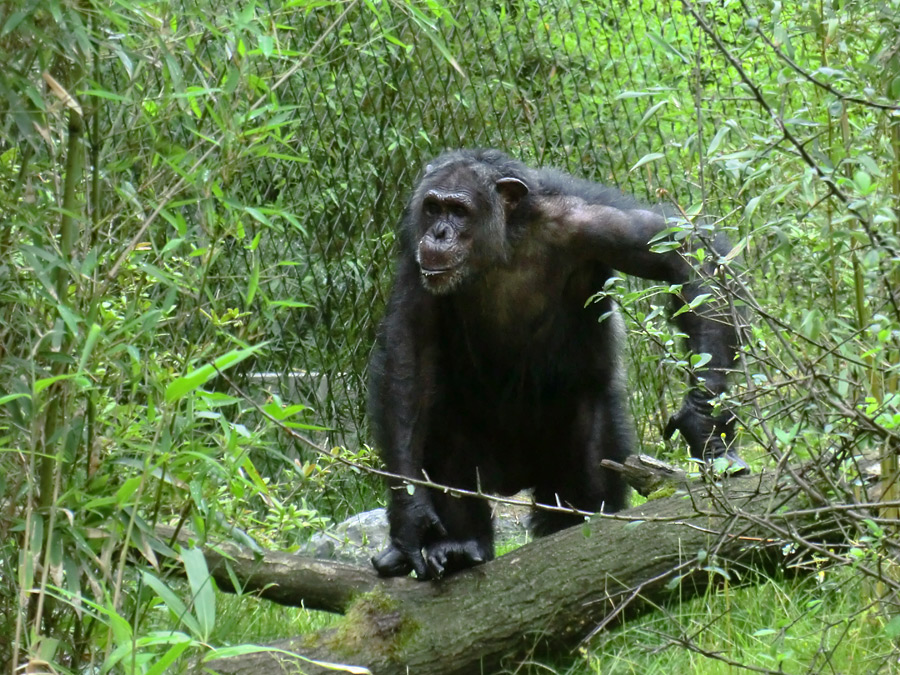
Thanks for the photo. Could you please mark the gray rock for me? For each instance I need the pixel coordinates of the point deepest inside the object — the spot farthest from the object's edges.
(355, 540)
(362, 535)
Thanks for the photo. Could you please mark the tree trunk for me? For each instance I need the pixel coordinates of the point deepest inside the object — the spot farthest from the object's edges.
(552, 592)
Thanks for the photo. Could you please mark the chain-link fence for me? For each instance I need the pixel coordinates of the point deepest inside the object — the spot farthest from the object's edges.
(584, 86)
(250, 161)
(195, 183)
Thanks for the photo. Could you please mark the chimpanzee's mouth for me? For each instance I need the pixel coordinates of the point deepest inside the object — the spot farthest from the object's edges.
(434, 273)
(440, 280)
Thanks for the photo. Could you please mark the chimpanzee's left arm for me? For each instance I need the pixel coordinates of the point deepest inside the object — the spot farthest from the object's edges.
(621, 238)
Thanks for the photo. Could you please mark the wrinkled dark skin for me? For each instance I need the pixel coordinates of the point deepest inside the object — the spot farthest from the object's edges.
(493, 372)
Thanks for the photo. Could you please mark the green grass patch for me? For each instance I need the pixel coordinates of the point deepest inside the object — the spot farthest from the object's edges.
(817, 624)
(246, 619)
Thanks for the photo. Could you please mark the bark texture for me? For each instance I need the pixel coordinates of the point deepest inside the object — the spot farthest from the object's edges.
(552, 592)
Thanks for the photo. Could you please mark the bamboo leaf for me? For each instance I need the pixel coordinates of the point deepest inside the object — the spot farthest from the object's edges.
(646, 159)
(197, 378)
(202, 592)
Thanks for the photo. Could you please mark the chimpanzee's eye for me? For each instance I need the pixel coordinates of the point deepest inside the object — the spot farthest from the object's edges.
(459, 211)
(431, 208)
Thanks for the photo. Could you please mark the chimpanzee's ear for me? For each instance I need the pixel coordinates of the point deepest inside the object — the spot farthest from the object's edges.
(512, 190)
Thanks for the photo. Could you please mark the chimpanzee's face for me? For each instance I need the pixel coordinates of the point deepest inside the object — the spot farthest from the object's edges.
(460, 219)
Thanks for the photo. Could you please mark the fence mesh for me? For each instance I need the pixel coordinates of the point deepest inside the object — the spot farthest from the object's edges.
(194, 182)
(253, 159)
(381, 90)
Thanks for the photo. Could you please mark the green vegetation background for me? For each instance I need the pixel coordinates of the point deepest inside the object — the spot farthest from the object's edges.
(197, 187)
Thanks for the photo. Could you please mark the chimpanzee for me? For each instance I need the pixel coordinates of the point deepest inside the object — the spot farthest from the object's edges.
(494, 370)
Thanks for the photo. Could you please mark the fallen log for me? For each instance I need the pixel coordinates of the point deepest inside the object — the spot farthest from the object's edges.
(551, 592)
(293, 580)
(331, 586)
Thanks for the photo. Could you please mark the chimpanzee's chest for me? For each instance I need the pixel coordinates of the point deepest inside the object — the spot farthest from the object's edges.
(527, 339)
(522, 301)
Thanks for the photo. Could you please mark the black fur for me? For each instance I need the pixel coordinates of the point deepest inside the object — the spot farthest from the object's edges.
(490, 372)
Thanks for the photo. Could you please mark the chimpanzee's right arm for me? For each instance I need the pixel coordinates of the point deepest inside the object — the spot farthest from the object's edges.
(401, 370)
(621, 238)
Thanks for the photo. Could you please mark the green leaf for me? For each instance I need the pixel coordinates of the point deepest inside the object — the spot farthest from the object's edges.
(197, 378)
(178, 609)
(71, 319)
(201, 583)
(253, 283)
(721, 465)
(15, 18)
(178, 640)
(120, 627)
(750, 209)
(895, 88)
(40, 385)
(171, 245)
(266, 45)
(288, 303)
(12, 397)
(236, 650)
(89, 343)
(258, 216)
(650, 112)
(874, 527)
(700, 299)
(696, 302)
(674, 583)
(162, 664)
(892, 628)
(720, 571)
(717, 139)
(786, 437)
(665, 46)
(102, 93)
(863, 182)
(275, 410)
(665, 246)
(255, 478)
(700, 360)
(646, 159)
(189, 382)
(128, 488)
(437, 40)
(812, 324)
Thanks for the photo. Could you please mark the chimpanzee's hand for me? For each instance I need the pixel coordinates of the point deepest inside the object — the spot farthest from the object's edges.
(709, 437)
(411, 518)
(446, 556)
